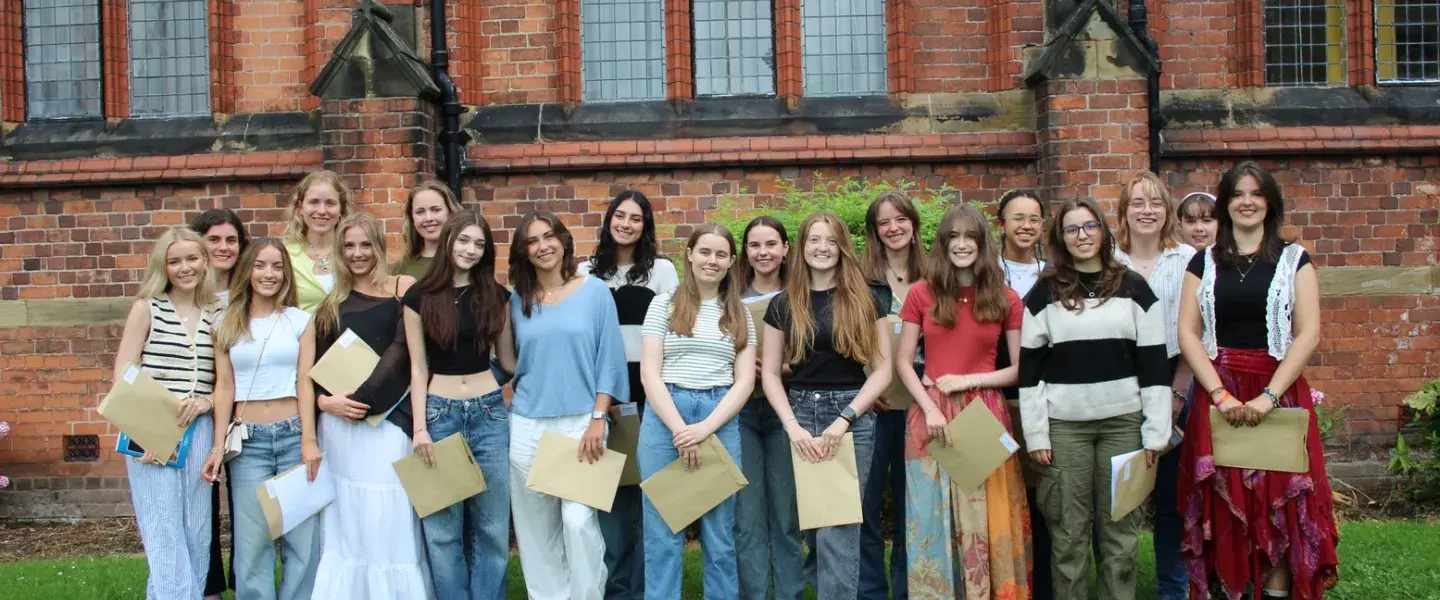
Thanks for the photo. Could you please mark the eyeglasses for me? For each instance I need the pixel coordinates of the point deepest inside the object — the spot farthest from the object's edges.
(1032, 219)
(1089, 227)
(1158, 205)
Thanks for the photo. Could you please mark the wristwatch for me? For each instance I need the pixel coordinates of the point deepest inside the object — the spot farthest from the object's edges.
(849, 415)
(599, 415)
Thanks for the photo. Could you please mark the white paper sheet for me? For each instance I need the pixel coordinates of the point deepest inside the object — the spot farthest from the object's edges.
(299, 499)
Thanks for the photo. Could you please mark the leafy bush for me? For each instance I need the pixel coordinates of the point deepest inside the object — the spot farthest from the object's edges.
(848, 198)
(1419, 464)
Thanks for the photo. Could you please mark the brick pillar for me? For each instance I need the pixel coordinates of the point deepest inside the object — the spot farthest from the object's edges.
(1093, 134)
(382, 147)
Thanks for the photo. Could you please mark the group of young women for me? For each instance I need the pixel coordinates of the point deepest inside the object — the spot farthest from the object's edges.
(1103, 346)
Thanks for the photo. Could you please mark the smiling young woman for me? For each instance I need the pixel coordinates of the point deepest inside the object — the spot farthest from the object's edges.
(1249, 323)
(569, 368)
(427, 208)
(320, 201)
(370, 525)
(629, 263)
(454, 316)
(697, 368)
(168, 335)
(1094, 383)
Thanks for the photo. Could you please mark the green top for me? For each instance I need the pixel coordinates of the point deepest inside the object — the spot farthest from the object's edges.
(414, 267)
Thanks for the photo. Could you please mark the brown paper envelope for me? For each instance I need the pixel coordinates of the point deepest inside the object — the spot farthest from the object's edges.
(345, 367)
(1276, 444)
(896, 395)
(559, 472)
(682, 497)
(146, 411)
(827, 493)
(757, 314)
(454, 478)
(1131, 482)
(980, 445)
(625, 439)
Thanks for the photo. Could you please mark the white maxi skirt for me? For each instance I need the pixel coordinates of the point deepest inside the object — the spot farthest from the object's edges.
(371, 547)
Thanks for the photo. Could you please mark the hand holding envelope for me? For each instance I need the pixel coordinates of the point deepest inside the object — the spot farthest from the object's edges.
(980, 445)
(146, 411)
(1276, 444)
(558, 472)
(625, 439)
(682, 496)
(1132, 478)
(290, 497)
(827, 493)
(454, 478)
(345, 367)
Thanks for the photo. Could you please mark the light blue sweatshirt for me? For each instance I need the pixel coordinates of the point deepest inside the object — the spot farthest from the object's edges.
(567, 353)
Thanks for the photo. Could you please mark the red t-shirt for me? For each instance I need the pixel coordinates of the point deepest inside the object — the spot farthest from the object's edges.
(969, 346)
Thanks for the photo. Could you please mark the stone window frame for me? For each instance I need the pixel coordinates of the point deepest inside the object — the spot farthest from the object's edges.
(114, 57)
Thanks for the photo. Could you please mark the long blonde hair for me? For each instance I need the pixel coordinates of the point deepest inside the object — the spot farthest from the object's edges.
(1167, 227)
(852, 310)
(236, 324)
(685, 305)
(157, 277)
(327, 315)
(295, 223)
(414, 244)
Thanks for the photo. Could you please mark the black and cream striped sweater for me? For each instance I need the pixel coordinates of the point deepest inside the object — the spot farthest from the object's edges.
(1105, 361)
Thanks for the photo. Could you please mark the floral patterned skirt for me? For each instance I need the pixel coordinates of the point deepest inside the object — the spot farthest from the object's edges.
(964, 544)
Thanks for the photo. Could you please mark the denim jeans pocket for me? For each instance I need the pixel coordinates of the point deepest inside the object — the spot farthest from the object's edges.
(435, 409)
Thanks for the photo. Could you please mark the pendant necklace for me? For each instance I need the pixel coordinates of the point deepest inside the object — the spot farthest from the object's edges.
(1250, 261)
(1089, 293)
(321, 262)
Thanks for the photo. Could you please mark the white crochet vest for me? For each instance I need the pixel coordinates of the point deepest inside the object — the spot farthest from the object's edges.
(1279, 302)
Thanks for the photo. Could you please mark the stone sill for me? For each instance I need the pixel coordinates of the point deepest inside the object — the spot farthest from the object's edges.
(1311, 140)
(228, 166)
(55, 140)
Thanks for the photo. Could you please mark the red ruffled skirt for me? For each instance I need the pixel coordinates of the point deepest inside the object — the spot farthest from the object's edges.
(1239, 523)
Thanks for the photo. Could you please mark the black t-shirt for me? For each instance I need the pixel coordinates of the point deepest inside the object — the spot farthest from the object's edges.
(823, 367)
(1240, 305)
(468, 354)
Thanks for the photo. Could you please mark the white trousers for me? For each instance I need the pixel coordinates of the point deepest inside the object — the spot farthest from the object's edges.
(560, 541)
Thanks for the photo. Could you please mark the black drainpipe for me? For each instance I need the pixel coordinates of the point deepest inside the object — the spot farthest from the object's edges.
(452, 140)
(1140, 26)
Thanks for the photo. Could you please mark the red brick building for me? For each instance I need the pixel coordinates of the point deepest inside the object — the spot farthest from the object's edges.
(124, 116)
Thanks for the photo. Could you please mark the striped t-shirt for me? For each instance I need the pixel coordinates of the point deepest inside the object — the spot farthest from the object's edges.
(702, 361)
(1105, 361)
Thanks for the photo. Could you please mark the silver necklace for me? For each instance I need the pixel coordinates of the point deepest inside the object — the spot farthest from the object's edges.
(321, 262)
(1089, 293)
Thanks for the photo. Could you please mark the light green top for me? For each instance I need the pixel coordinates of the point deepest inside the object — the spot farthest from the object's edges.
(414, 267)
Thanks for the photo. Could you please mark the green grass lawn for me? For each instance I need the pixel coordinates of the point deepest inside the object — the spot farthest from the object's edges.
(1396, 560)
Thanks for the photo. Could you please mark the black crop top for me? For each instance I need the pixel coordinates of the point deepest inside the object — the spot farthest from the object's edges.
(1240, 305)
(468, 354)
(824, 368)
(377, 322)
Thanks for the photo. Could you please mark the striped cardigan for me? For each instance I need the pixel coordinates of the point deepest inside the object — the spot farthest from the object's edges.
(1105, 361)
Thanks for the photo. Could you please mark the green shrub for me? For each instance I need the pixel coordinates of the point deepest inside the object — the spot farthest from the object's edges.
(848, 198)
(1419, 463)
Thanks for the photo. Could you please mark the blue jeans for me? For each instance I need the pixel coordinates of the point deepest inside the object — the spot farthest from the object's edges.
(468, 544)
(271, 449)
(664, 556)
(767, 527)
(624, 544)
(887, 471)
(837, 549)
(1171, 578)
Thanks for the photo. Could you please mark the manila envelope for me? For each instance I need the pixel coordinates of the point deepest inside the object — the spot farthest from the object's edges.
(1276, 444)
(682, 497)
(1131, 482)
(559, 472)
(454, 478)
(897, 396)
(625, 439)
(345, 367)
(757, 314)
(146, 411)
(981, 445)
(827, 493)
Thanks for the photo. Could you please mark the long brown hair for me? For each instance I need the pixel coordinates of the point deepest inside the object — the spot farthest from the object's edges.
(522, 273)
(437, 288)
(1064, 279)
(236, 324)
(685, 305)
(964, 220)
(853, 308)
(746, 270)
(414, 244)
(875, 263)
(295, 224)
(1168, 225)
(1272, 244)
(327, 315)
